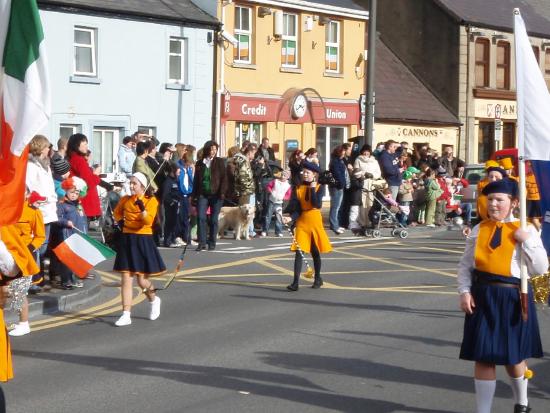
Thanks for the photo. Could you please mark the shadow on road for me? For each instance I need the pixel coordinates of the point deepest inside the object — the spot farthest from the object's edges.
(268, 384)
(373, 307)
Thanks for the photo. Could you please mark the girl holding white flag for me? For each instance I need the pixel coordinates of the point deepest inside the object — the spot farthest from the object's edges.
(137, 254)
(495, 332)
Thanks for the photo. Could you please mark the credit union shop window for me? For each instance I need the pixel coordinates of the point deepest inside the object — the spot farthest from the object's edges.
(247, 131)
(326, 139)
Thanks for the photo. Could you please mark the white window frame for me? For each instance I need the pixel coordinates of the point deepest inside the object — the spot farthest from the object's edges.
(239, 132)
(75, 128)
(239, 31)
(116, 138)
(181, 56)
(336, 45)
(148, 130)
(92, 47)
(286, 37)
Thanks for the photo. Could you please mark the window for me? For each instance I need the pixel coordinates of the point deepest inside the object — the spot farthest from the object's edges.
(103, 146)
(176, 61)
(247, 131)
(482, 63)
(85, 52)
(243, 34)
(148, 130)
(547, 67)
(332, 47)
(289, 53)
(503, 65)
(537, 53)
(326, 139)
(65, 131)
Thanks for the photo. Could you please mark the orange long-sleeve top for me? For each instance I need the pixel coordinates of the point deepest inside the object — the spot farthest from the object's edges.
(31, 227)
(134, 221)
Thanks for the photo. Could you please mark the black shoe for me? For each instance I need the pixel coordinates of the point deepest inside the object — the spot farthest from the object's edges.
(201, 248)
(67, 286)
(211, 247)
(292, 287)
(317, 283)
(520, 408)
(34, 289)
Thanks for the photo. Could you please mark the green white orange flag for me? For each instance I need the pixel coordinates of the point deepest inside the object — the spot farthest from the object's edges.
(81, 253)
(24, 98)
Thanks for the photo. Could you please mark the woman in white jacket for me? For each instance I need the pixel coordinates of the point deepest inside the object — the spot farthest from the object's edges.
(40, 179)
(367, 165)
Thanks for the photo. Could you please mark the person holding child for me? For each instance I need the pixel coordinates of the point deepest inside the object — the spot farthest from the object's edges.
(137, 255)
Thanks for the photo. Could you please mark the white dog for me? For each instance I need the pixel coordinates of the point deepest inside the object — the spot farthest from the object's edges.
(239, 218)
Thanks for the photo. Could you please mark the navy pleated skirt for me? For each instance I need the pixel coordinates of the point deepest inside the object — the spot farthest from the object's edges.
(496, 333)
(138, 254)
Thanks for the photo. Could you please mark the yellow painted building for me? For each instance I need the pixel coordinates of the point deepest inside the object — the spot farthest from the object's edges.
(291, 71)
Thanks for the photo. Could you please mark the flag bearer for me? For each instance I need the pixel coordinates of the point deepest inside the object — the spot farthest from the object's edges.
(137, 254)
(488, 283)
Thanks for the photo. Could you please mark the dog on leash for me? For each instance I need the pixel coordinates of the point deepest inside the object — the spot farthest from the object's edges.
(239, 218)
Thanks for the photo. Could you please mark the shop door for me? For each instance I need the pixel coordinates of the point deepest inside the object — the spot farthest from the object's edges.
(486, 141)
(509, 135)
(326, 139)
(104, 148)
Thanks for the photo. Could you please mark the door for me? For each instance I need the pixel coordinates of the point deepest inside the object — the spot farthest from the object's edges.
(486, 141)
(104, 148)
(326, 139)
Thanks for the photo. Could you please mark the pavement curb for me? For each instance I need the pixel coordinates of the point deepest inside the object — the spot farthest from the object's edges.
(59, 301)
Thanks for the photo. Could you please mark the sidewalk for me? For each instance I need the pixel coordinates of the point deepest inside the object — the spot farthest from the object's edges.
(57, 300)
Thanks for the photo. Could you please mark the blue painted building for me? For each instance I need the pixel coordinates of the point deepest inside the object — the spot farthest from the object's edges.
(117, 67)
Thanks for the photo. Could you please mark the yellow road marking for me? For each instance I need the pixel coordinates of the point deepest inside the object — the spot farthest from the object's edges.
(397, 264)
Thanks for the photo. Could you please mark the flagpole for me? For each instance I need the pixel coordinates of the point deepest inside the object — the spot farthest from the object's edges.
(521, 167)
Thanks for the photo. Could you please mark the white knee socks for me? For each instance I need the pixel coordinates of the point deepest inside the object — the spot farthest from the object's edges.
(519, 387)
(485, 391)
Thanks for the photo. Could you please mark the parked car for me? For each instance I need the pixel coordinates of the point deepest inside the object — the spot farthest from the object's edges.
(473, 173)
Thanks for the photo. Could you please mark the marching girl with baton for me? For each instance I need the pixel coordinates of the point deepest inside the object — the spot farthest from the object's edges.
(309, 233)
(496, 330)
(137, 254)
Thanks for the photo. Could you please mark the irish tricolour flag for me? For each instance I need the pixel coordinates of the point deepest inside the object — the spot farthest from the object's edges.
(24, 98)
(81, 253)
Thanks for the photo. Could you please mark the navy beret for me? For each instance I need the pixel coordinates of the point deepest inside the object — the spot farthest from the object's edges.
(497, 169)
(504, 186)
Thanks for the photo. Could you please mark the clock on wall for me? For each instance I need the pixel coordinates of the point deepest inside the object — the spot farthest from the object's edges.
(299, 106)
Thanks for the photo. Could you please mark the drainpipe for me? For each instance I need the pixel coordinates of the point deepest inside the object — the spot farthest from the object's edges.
(221, 83)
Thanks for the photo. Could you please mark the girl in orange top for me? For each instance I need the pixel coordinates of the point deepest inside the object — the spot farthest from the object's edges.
(534, 213)
(137, 253)
(15, 259)
(310, 235)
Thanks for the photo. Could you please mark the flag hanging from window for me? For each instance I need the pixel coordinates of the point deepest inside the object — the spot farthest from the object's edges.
(24, 98)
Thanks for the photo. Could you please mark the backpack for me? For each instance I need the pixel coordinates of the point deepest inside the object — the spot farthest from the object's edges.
(326, 178)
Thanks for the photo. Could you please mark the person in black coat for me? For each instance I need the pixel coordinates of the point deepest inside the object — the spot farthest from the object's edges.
(340, 173)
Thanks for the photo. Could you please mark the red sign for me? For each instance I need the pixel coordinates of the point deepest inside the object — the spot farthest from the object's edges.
(243, 108)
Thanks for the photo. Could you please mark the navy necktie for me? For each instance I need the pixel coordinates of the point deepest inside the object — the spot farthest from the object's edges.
(497, 238)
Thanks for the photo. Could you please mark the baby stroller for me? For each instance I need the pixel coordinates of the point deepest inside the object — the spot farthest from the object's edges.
(382, 215)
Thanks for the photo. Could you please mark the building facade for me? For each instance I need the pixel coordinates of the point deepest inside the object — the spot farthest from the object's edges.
(464, 53)
(129, 66)
(291, 71)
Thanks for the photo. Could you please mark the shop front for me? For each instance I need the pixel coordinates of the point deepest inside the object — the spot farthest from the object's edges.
(495, 123)
(437, 137)
(293, 121)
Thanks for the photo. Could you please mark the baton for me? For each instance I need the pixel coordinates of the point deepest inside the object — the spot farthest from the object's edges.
(174, 275)
(309, 270)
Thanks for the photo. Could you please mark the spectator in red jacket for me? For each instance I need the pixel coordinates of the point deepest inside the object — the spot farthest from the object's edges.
(77, 149)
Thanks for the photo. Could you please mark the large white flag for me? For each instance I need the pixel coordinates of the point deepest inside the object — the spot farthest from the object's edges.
(533, 98)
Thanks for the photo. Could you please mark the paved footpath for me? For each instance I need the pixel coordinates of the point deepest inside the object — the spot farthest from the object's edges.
(382, 335)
